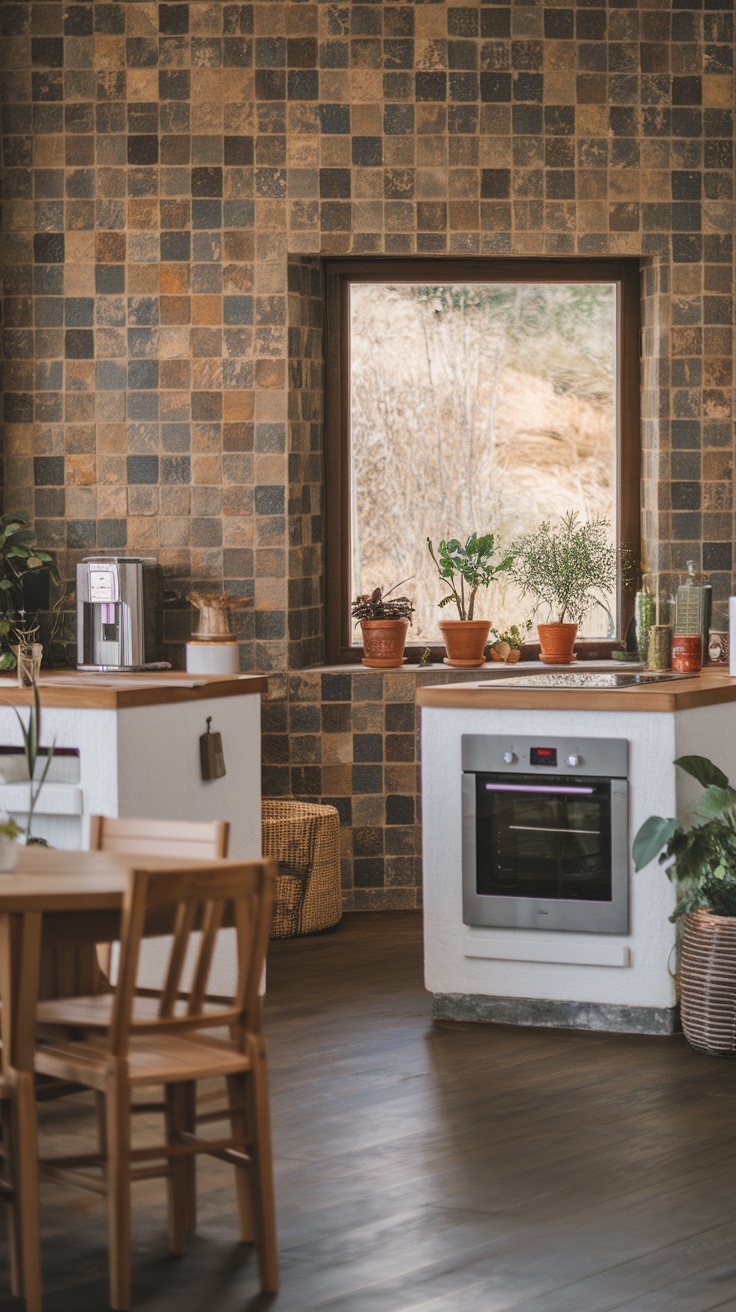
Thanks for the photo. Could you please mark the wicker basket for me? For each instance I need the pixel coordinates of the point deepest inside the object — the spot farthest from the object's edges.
(708, 982)
(305, 840)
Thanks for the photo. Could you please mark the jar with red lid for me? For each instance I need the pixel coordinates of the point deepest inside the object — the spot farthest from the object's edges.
(687, 652)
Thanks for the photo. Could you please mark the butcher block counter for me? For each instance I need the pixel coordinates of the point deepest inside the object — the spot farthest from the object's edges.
(85, 691)
(709, 688)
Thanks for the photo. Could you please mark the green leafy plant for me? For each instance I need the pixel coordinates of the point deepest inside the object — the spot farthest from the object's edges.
(702, 859)
(377, 606)
(31, 747)
(10, 829)
(468, 566)
(514, 635)
(18, 557)
(569, 567)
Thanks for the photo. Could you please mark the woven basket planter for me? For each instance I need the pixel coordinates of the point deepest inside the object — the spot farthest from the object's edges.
(304, 838)
(708, 983)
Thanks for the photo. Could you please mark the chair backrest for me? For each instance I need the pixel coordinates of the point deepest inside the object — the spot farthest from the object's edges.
(198, 899)
(190, 838)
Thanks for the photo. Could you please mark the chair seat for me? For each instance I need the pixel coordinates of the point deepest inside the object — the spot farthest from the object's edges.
(94, 1011)
(152, 1059)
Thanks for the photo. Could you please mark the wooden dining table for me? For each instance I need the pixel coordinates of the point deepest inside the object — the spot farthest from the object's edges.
(55, 903)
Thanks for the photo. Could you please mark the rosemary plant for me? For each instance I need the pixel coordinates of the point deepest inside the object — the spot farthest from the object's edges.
(568, 568)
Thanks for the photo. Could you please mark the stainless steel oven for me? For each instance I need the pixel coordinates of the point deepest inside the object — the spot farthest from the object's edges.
(545, 833)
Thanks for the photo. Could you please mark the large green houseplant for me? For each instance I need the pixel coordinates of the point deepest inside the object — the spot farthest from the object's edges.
(464, 568)
(568, 568)
(701, 862)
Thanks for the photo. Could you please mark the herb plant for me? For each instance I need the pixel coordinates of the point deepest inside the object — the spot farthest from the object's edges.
(514, 635)
(702, 859)
(464, 568)
(18, 557)
(377, 606)
(567, 567)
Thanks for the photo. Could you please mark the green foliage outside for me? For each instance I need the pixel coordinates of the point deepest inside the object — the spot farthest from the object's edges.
(569, 568)
(702, 859)
(18, 557)
(468, 564)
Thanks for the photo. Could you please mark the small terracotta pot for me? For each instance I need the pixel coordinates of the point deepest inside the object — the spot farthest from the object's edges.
(383, 643)
(513, 656)
(557, 642)
(465, 641)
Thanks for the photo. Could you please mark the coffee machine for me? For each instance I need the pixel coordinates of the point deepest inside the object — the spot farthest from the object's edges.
(119, 615)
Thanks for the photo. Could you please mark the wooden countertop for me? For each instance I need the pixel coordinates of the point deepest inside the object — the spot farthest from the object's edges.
(708, 688)
(115, 692)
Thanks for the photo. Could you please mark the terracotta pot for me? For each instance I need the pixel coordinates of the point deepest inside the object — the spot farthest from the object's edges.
(513, 656)
(465, 641)
(383, 643)
(557, 642)
(708, 982)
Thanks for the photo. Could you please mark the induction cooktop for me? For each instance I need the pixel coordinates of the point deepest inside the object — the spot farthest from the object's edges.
(581, 679)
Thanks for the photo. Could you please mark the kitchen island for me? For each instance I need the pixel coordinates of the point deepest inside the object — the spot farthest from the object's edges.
(618, 980)
(128, 745)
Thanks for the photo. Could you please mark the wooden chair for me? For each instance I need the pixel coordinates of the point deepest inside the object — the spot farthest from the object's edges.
(172, 1048)
(154, 838)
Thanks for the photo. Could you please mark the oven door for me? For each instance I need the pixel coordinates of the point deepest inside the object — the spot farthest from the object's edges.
(545, 852)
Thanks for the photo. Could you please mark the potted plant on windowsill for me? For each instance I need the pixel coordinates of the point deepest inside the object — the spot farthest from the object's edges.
(464, 568)
(702, 863)
(383, 623)
(568, 568)
(507, 646)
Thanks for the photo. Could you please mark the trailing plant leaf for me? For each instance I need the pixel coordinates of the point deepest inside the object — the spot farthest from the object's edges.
(18, 557)
(651, 838)
(715, 802)
(703, 770)
(701, 860)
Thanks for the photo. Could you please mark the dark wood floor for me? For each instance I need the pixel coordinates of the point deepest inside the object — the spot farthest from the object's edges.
(427, 1168)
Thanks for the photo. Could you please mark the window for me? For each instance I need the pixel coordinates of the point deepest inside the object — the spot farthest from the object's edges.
(472, 395)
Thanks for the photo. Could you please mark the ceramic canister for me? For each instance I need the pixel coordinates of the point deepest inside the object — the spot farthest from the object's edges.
(212, 657)
(687, 652)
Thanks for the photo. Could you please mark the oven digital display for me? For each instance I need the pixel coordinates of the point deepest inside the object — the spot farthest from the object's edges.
(543, 756)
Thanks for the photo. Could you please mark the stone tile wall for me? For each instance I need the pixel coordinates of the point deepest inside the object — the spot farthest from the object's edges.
(175, 172)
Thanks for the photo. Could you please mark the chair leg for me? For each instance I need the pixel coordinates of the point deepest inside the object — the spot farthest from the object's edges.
(189, 1099)
(179, 1180)
(24, 1138)
(9, 1215)
(259, 1125)
(118, 1188)
(239, 1130)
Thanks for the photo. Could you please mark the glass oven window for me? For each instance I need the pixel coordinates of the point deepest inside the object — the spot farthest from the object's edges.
(543, 838)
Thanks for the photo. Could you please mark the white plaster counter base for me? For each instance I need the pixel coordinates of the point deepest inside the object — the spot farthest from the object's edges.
(591, 981)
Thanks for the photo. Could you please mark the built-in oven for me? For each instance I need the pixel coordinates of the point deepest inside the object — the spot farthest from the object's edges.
(545, 833)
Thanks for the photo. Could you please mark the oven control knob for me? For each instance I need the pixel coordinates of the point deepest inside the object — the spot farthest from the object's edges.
(573, 759)
(509, 758)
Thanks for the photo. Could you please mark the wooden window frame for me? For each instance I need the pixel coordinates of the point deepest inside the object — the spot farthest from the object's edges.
(340, 273)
